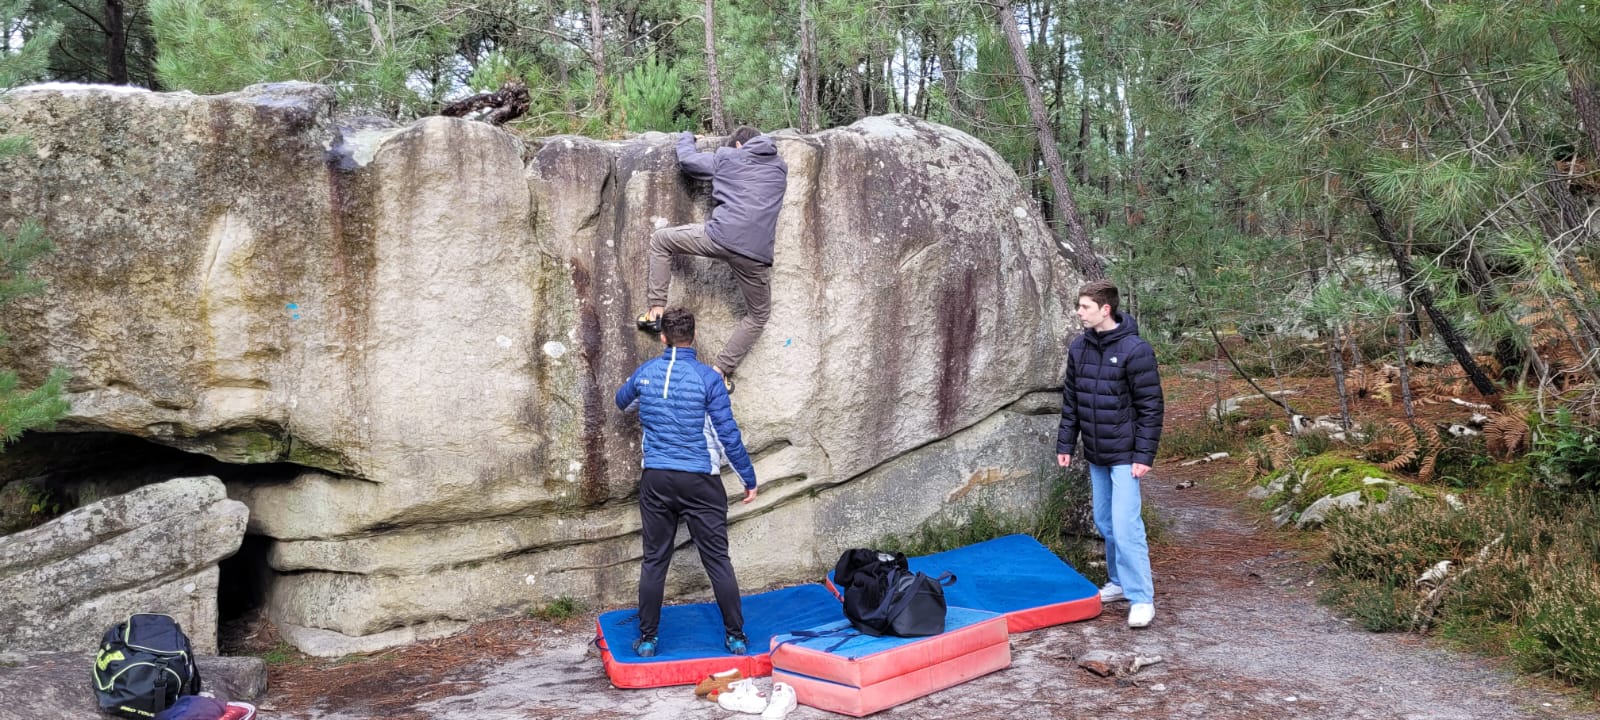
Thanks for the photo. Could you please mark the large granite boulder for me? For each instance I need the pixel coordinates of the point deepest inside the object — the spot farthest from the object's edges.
(430, 321)
(154, 549)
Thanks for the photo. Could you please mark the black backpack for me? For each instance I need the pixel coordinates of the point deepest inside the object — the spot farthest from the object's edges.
(144, 665)
(883, 597)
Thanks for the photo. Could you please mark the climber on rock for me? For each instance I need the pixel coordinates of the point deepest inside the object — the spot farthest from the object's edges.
(748, 181)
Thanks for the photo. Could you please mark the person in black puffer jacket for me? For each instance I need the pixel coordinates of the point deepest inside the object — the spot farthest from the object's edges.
(1111, 400)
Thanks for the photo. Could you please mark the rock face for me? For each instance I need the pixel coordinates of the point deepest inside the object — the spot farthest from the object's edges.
(154, 549)
(431, 320)
(55, 686)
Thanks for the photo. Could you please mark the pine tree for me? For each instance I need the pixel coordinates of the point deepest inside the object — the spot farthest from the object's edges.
(23, 409)
(649, 98)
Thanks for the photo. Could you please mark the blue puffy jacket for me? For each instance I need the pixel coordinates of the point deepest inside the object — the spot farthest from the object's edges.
(688, 423)
(1112, 397)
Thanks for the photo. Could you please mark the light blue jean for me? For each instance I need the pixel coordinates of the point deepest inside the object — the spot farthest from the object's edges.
(1116, 514)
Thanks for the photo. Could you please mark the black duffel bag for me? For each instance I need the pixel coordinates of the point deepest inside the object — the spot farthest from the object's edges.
(143, 666)
(883, 597)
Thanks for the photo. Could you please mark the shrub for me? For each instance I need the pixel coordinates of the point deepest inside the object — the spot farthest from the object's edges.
(560, 608)
(24, 505)
(1204, 438)
(1566, 453)
(1560, 635)
(1524, 580)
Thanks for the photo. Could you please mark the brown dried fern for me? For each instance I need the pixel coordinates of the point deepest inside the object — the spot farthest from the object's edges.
(1280, 448)
(1506, 435)
(1406, 447)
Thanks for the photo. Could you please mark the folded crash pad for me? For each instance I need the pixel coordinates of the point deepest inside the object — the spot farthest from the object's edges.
(835, 668)
(1014, 576)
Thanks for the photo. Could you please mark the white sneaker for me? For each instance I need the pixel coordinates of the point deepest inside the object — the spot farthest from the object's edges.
(742, 696)
(1140, 614)
(1112, 592)
(782, 702)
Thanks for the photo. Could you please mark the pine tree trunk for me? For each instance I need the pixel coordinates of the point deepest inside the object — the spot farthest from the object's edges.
(1080, 154)
(116, 42)
(808, 70)
(924, 67)
(1402, 348)
(1336, 364)
(858, 90)
(597, 55)
(372, 24)
(1408, 278)
(948, 75)
(1583, 93)
(1076, 244)
(905, 75)
(1565, 218)
(719, 122)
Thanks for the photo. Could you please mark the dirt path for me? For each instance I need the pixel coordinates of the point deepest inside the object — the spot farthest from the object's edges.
(1237, 622)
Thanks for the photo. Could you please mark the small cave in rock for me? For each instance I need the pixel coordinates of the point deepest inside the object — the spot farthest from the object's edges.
(45, 475)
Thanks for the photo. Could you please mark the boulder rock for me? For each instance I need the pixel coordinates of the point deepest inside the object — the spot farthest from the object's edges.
(429, 321)
(154, 549)
(1317, 513)
(55, 685)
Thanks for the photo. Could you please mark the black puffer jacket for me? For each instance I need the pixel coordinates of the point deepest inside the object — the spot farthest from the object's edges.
(1112, 397)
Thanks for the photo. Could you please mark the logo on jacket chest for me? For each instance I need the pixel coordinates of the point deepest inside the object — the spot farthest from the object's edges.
(1113, 359)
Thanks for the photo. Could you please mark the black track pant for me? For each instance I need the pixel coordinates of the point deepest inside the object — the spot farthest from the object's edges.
(697, 498)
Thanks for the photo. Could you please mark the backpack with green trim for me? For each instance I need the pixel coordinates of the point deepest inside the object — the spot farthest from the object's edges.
(144, 665)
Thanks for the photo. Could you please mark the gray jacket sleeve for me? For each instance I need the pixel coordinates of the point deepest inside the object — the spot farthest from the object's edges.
(698, 164)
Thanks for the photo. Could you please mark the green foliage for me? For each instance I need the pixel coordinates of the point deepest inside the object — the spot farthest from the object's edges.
(1200, 439)
(216, 46)
(24, 505)
(84, 49)
(25, 409)
(283, 654)
(1559, 627)
(561, 608)
(649, 96)
(500, 68)
(1523, 582)
(1467, 465)
(17, 252)
(401, 61)
(25, 64)
(942, 534)
(1566, 453)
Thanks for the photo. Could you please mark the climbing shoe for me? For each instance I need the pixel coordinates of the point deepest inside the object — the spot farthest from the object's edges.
(648, 324)
(645, 647)
(717, 682)
(737, 644)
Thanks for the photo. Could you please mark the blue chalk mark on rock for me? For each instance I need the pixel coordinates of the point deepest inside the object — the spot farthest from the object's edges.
(788, 341)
